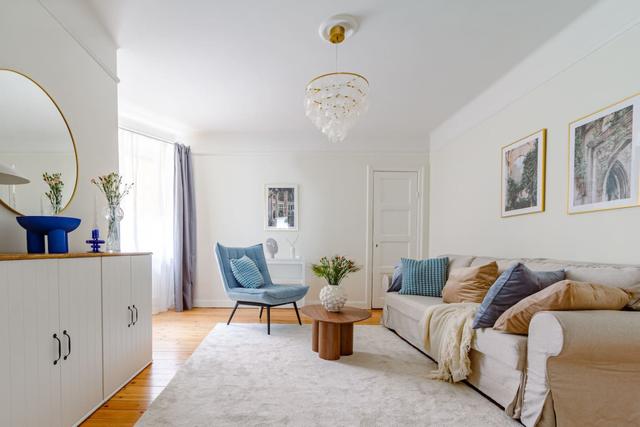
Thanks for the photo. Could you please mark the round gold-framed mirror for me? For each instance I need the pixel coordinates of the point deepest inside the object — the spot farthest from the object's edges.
(35, 139)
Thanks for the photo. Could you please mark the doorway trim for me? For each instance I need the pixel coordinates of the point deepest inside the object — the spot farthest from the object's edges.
(420, 170)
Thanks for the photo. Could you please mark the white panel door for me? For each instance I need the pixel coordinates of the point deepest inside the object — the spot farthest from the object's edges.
(141, 304)
(81, 329)
(29, 318)
(117, 318)
(395, 226)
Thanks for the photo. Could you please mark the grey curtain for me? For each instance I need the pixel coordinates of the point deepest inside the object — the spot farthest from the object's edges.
(184, 228)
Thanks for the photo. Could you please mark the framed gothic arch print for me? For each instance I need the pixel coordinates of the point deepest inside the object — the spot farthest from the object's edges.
(604, 158)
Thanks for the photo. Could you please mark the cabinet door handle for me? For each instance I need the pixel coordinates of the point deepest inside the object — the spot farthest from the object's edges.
(136, 309)
(69, 344)
(55, 337)
(130, 316)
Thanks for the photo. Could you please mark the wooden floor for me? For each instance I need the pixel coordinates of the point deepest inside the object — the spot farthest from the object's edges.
(175, 337)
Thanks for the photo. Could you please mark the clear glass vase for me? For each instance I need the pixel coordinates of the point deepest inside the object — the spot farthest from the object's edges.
(114, 215)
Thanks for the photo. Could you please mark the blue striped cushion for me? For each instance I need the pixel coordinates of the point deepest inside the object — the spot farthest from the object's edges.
(424, 277)
(246, 272)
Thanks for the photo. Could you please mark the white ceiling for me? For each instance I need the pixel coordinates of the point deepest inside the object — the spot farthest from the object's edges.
(227, 67)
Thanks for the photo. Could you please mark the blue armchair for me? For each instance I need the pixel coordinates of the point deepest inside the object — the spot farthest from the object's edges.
(268, 296)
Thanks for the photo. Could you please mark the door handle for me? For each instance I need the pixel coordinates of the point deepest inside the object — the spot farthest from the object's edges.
(55, 337)
(136, 309)
(130, 316)
(68, 346)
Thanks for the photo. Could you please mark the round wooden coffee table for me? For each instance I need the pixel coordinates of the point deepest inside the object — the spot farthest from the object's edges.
(333, 332)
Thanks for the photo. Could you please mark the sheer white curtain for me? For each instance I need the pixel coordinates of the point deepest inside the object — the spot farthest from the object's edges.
(147, 225)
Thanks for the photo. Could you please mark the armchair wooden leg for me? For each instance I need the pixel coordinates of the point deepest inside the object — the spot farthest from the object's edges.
(297, 314)
(232, 313)
(261, 308)
(268, 320)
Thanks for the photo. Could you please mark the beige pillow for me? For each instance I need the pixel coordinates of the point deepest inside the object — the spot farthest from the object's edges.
(469, 284)
(634, 291)
(563, 295)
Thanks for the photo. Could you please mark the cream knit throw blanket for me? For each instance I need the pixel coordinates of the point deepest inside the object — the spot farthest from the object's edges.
(448, 336)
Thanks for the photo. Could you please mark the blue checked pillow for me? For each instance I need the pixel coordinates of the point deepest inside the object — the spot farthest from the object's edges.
(246, 272)
(424, 277)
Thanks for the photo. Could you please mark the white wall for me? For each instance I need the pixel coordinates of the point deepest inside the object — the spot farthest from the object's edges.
(35, 43)
(332, 204)
(465, 170)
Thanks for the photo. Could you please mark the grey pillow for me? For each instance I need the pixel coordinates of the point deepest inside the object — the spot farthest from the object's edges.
(396, 281)
(513, 285)
(548, 278)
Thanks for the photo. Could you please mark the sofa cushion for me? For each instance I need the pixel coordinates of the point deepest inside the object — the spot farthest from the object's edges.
(424, 277)
(413, 306)
(564, 295)
(509, 349)
(469, 284)
(458, 261)
(503, 263)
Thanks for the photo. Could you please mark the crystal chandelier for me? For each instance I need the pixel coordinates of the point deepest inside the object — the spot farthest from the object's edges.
(335, 101)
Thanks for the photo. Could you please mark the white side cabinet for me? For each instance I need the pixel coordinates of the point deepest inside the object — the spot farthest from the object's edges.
(126, 293)
(51, 330)
(287, 271)
(54, 353)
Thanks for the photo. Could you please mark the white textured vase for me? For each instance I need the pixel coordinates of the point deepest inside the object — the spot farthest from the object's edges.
(333, 298)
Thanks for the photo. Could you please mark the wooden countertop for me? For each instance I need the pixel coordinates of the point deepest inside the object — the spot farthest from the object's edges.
(25, 256)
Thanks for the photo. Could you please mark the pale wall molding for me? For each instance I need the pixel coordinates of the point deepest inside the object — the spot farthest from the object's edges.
(591, 31)
(79, 39)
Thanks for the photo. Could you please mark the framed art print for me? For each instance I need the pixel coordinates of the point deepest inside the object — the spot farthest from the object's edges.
(603, 158)
(523, 175)
(281, 207)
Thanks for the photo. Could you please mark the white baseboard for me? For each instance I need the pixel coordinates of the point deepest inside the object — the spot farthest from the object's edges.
(227, 303)
(222, 303)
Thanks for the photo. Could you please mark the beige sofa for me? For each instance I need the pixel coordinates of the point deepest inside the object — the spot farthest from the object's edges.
(574, 367)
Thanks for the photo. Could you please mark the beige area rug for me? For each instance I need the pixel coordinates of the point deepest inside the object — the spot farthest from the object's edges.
(240, 376)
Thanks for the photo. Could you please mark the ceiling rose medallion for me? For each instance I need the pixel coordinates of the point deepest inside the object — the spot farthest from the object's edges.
(335, 101)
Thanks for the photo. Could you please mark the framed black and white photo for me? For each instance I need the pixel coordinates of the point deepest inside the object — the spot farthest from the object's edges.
(523, 175)
(603, 158)
(281, 202)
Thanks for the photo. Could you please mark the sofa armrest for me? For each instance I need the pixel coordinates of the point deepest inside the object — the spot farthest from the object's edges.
(583, 368)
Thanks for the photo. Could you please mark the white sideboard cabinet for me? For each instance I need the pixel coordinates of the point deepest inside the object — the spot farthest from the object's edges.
(56, 317)
(126, 293)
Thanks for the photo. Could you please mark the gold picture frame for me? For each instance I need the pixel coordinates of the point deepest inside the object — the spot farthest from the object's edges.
(515, 161)
(604, 174)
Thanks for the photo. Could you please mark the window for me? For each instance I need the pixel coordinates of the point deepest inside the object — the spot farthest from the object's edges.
(147, 225)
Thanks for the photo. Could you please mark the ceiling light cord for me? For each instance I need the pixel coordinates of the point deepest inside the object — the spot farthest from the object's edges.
(336, 45)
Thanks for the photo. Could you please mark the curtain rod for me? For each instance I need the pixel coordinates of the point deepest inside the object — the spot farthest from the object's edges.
(157, 138)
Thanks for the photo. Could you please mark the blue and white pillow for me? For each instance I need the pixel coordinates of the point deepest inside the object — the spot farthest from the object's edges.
(424, 277)
(246, 272)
